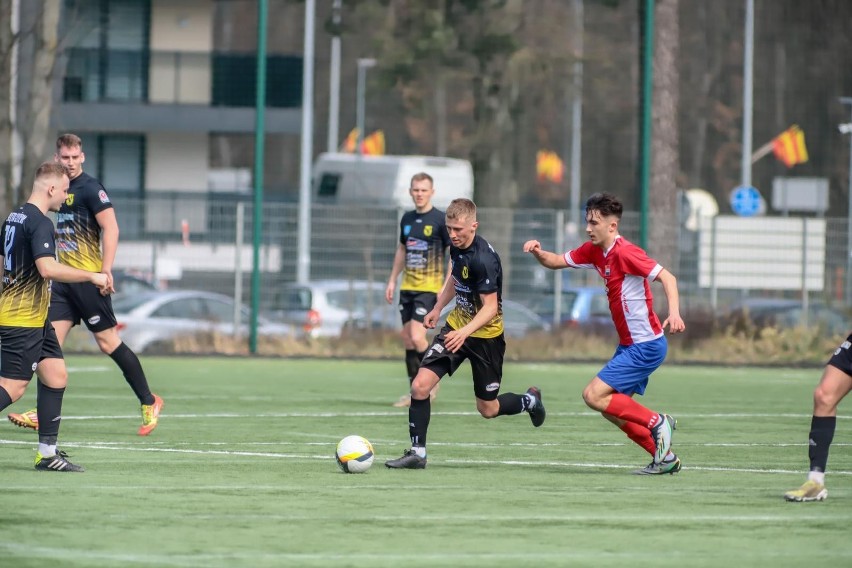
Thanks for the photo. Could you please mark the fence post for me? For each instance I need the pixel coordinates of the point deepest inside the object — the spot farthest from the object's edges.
(805, 304)
(238, 267)
(557, 274)
(714, 293)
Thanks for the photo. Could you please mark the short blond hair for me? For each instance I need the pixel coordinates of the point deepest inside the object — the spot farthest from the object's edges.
(50, 169)
(461, 208)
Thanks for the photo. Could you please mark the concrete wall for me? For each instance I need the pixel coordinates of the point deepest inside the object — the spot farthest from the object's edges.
(181, 41)
(175, 161)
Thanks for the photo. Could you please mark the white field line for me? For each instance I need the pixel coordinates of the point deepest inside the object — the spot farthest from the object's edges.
(398, 414)
(423, 557)
(306, 456)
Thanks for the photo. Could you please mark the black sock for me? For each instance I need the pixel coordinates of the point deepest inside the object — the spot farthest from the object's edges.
(511, 403)
(49, 409)
(822, 433)
(129, 364)
(5, 399)
(418, 420)
(412, 363)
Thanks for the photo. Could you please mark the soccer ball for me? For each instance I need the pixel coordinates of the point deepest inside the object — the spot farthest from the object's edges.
(354, 454)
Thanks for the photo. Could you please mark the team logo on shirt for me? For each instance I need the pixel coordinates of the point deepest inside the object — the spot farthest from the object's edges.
(69, 201)
(406, 229)
(427, 231)
(103, 196)
(606, 272)
(464, 272)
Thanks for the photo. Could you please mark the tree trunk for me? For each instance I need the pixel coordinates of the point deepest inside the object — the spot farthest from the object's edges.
(6, 128)
(40, 98)
(663, 216)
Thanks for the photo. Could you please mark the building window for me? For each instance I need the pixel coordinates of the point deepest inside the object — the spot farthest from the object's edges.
(117, 160)
(110, 53)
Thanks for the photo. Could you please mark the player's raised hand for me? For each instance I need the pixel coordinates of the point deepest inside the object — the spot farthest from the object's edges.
(532, 246)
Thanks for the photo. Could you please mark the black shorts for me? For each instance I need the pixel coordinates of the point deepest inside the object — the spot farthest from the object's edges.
(22, 348)
(486, 361)
(842, 357)
(81, 301)
(415, 305)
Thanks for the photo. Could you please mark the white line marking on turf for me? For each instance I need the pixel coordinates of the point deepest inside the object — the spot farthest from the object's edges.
(536, 463)
(88, 369)
(386, 414)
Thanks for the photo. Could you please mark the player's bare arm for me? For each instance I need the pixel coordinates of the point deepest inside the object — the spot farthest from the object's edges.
(444, 296)
(455, 339)
(109, 242)
(545, 258)
(51, 269)
(398, 263)
(669, 282)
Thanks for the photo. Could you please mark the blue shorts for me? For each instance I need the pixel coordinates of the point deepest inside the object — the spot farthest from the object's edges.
(631, 365)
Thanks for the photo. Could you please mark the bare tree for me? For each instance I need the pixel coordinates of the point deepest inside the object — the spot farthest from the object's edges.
(663, 233)
(37, 43)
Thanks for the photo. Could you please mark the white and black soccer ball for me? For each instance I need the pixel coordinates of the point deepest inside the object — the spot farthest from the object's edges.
(354, 454)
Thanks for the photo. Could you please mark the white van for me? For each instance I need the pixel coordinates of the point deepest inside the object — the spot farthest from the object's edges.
(384, 180)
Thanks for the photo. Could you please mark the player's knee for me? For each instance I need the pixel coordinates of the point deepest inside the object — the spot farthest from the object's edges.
(824, 399)
(488, 409)
(589, 397)
(420, 388)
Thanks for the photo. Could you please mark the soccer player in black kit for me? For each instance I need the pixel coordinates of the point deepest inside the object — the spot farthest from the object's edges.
(85, 223)
(28, 343)
(474, 331)
(420, 257)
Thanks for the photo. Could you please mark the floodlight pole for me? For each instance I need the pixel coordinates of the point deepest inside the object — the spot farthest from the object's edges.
(361, 95)
(848, 101)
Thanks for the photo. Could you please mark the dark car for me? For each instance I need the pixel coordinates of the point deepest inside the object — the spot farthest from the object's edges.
(783, 313)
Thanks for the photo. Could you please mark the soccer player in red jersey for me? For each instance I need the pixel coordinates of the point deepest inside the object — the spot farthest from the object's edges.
(627, 271)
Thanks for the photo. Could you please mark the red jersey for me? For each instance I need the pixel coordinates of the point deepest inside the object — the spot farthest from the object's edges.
(628, 272)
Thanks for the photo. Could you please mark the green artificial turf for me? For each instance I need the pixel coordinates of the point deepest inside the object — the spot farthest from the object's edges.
(241, 472)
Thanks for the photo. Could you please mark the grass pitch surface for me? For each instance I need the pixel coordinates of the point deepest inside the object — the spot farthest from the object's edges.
(241, 472)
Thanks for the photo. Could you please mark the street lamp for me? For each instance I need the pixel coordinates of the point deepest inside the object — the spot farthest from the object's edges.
(363, 65)
(847, 129)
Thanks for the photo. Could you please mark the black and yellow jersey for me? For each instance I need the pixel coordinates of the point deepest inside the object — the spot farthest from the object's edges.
(476, 270)
(425, 238)
(78, 234)
(27, 235)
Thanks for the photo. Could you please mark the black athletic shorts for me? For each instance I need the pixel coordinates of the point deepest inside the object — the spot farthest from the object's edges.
(22, 348)
(81, 301)
(485, 356)
(415, 305)
(842, 357)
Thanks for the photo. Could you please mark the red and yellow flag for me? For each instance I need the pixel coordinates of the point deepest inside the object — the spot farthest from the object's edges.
(549, 166)
(373, 145)
(789, 146)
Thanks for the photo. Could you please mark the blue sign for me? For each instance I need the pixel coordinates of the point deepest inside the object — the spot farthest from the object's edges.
(746, 201)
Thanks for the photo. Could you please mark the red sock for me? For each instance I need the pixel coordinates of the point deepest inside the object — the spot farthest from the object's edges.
(641, 436)
(624, 407)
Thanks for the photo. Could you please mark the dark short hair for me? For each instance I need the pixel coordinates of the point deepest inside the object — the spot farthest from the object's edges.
(69, 141)
(606, 204)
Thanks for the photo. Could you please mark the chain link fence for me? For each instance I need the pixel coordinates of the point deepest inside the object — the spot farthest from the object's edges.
(201, 242)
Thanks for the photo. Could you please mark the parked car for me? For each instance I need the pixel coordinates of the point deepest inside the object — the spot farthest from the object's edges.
(581, 307)
(330, 308)
(153, 319)
(518, 320)
(128, 282)
(779, 312)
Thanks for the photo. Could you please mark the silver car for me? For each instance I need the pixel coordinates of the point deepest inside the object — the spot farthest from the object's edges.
(151, 320)
(330, 308)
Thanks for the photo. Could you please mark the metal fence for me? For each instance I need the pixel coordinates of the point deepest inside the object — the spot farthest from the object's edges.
(206, 243)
